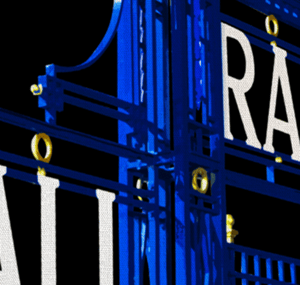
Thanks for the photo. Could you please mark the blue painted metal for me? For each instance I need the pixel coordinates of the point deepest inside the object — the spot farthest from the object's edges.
(170, 121)
(272, 260)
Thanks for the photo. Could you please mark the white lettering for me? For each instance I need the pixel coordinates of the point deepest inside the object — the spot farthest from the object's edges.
(9, 273)
(105, 205)
(48, 228)
(280, 73)
(239, 86)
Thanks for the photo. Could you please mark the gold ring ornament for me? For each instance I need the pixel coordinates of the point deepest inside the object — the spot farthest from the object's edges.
(36, 90)
(35, 147)
(268, 27)
(204, 180)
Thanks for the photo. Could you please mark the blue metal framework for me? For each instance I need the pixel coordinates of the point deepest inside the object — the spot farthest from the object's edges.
(170, 122)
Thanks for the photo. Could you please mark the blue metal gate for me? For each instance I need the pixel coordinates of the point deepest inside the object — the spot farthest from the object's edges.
(164, 174)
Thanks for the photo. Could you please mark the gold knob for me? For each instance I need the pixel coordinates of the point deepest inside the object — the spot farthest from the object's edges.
(231, 233)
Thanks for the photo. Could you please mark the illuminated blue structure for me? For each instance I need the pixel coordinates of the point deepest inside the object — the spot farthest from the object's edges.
(170, 123)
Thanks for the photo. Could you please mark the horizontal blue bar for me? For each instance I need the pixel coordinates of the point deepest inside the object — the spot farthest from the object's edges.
(268, 47)
(261, 160)
(262, 254)
(106, 111)
(203, 209)
(203, 196)
(93, 94)
(245, 276)
(134, 203)
(194, 125)
(73, 136)
(259, 33)
(262, 187)
(259, 5)
(203, 161)
(32, 178)
(242, 144)
(97, 181)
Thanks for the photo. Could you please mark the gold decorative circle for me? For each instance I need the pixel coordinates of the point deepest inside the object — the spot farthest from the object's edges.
(204, 181)
(276, 25)
(35, 147)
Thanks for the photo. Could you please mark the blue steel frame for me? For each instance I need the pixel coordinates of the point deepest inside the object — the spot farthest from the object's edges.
(169, 67)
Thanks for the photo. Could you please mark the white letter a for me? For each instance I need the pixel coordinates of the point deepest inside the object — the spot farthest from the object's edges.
(290, 127)
(9, 274)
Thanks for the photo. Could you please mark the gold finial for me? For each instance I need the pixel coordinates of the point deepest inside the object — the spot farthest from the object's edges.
(204, 180)
(273, 43)
(36, 90)
(278, 159)
(36, 153)
(231, 233)
(41, 171)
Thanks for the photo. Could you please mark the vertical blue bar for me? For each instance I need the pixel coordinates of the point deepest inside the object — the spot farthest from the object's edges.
(143, 246)
(132, 246)
(270, 174)
(244, 267)
(194, 246)
(257, 268)
(209, 244)
(190, 63)
(151, 87)
(137, 251)
(151, 74)
(232, 265)
(293, 273)
(206, 247)
(196, 56)
(215, 98)
(181, 141)
(123, 232)
(160, 72)
(152, 242)
(162, 241)
(280, 270)
(125, 92)
(135, 52)
(202, 64)
(269, 268)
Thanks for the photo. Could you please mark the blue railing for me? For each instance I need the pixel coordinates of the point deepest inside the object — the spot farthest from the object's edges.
(252, 266)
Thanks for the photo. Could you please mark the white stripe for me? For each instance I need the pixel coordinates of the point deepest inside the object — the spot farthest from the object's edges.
(48, 229)
(9, 274)
(105, 205)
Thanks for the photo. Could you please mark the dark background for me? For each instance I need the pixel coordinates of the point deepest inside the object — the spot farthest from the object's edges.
(67, 36)
(263, 222)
